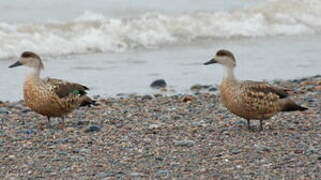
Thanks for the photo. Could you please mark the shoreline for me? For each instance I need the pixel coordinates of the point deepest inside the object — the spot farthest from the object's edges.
(158, 136)
(195, 89)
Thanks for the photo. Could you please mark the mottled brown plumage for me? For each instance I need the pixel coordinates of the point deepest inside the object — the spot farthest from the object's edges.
(250, 99)
(50, 97)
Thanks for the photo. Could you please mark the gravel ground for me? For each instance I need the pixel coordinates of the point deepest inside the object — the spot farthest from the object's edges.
(163, 137)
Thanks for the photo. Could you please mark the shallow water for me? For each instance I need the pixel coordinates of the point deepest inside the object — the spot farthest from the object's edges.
(122, 46)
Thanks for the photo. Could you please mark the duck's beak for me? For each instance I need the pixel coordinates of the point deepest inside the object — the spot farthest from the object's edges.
(212, 61)
(18, 63)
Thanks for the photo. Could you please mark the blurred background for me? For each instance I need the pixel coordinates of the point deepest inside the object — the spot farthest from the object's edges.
(121, 46)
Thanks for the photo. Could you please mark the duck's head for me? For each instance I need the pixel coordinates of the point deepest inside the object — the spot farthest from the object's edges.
(29, 59)
(224, 57)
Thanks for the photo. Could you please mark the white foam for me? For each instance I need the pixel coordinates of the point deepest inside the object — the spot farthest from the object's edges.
(93, 32)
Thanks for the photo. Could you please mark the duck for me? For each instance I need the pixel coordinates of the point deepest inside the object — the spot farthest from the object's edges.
(251, 100)
(50, 97)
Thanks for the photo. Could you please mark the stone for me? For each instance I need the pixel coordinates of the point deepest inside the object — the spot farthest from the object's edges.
(4, 110)
(260, 147)
(147, 97)
(137, 174)
(158, 84)
(105, 174)
(186, 143)
(196, 87)
(92, 128)
(187, 99)
(212, 89)
(162, 172)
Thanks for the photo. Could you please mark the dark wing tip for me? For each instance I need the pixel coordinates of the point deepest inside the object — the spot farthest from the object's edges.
(294, 107)
(89, 102)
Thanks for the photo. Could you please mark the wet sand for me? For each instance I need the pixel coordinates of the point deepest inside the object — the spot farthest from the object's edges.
(163, 137)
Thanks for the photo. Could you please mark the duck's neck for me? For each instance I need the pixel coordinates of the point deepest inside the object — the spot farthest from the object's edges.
(229, 74)
(34, 75)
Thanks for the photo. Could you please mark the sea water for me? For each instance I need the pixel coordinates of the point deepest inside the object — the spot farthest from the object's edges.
(121, 46)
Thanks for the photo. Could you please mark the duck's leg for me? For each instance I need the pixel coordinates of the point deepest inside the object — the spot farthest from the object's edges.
(62, 123)
(48, 121)
(261, 125)
(248, 124)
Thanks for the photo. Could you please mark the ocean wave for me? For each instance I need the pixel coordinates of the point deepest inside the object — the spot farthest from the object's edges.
(93, 32)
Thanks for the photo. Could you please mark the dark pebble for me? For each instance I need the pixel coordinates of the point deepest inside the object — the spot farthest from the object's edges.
(147, 97)
(319, 158)
(159, 83)
(92, 128)
(26, 111)
(4, 110)
(158, 95)
(81, 123)
(159, 159)
(212, 89)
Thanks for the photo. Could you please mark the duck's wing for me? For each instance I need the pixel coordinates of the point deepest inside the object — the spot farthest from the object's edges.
(263, 89)
(266, 96)
(64, 88)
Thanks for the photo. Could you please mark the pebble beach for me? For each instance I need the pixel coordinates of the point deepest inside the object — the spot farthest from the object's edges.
(158, 136)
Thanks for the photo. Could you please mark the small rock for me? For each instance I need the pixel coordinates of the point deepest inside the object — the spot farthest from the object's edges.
(318, 88)
(240, 123)
(105, 174)
(26, 110)
(199, 87)
(158, 95)
(298, 151)
(235, 151)
(319, 158)
(311, 150)
(197, 124)
(196, 87)
(28, 131)
(82, 123)
(186, 143)
(96, 97)
(212, 89)
(260, 147)
(162, 173)
(4, 110)
(187, 99)
(137, 174)
(147, 97)
(121, 95)
(159, 83)
(218, 155)
(154, 126)
(92, 128)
